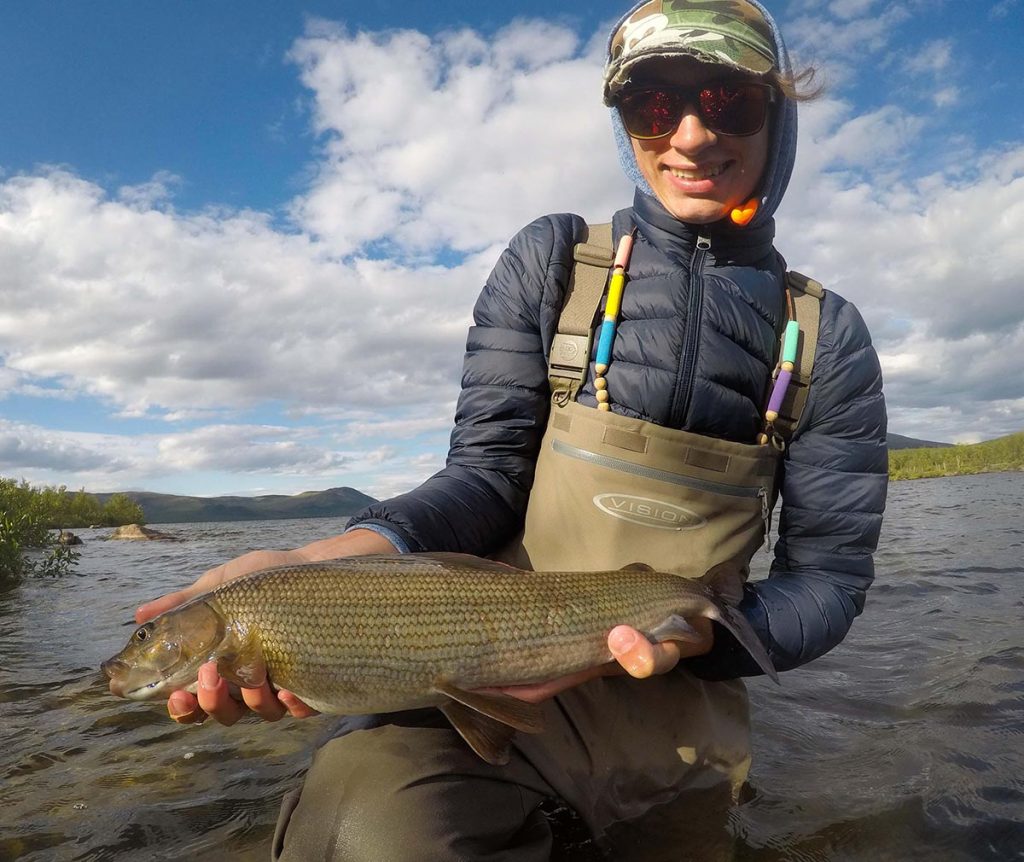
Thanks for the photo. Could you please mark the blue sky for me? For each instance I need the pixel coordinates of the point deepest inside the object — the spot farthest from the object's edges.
(239, 243)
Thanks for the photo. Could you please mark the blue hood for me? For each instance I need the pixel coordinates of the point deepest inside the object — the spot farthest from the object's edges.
(782, 147)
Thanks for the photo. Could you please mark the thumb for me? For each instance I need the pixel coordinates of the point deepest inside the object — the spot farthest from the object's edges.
(639, 656)
(157, 606)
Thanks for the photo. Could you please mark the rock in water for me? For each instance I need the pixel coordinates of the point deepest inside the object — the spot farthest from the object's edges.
(136, 531)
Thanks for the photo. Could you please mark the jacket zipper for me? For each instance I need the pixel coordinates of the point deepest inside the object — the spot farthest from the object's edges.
(688, 355)
(624, 466)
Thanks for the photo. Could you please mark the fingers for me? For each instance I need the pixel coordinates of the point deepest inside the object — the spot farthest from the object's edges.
(296, 708)
(639, 656)
(213, 699)
(243, 565)
(184, 708)
(537, 692)
(164, 603)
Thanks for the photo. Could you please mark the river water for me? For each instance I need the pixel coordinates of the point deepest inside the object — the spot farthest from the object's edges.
(904, 743)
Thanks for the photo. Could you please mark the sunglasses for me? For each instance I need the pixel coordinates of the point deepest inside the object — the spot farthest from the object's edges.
(735, 108)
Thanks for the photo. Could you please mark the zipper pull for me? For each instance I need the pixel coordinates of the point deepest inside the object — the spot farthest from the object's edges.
(703, 243)
(765, 515)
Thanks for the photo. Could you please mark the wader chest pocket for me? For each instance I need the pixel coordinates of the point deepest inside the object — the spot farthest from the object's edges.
(615, 490)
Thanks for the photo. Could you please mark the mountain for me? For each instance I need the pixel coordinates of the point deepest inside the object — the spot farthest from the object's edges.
(175, 509)
(897, 441)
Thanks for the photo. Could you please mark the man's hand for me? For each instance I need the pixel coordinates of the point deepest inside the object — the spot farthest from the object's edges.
(243, 565)
(633, 654)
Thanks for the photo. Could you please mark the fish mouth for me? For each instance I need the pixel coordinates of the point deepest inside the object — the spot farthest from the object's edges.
(143, 692)
(113, 666)
(118, 672)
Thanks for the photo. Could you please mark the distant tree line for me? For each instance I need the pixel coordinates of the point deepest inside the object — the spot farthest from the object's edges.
(992, 456)
(28, 517)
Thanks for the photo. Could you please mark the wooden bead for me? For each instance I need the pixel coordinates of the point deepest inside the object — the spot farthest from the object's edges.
(604, 405)
(600, 383)
(602, 395)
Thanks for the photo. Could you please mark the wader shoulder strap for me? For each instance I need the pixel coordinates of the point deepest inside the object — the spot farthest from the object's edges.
(570, 350)
(807, 296)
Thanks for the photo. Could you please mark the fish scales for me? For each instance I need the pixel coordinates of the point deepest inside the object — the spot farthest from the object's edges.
(323, 628)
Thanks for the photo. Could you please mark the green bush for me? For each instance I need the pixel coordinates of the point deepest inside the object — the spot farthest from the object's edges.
(27, 547)
(29, 515)
(122, 509)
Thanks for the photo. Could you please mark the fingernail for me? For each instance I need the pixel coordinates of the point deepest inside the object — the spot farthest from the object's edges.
(621, 640)
(178, 710)
(208, 677)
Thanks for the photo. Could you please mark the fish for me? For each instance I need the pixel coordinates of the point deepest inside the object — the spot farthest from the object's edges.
(385, 633)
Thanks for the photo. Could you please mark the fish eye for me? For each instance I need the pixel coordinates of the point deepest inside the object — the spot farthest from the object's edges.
(142, 633)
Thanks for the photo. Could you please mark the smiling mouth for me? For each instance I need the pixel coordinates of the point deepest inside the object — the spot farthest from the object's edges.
(697, 175)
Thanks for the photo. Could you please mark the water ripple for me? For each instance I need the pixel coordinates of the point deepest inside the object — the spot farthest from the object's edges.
(904, 743)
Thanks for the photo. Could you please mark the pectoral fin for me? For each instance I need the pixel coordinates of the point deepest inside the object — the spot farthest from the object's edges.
(674, 628)
(487, 721)
(244, 667)
(508, 710)
(487, 737)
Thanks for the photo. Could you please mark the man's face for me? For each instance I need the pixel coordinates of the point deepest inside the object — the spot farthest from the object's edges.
(699, 176)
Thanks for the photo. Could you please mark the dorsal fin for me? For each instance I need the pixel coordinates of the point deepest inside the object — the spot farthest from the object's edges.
(464, 561)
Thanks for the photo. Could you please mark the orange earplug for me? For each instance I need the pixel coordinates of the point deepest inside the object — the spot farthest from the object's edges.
(743, 214)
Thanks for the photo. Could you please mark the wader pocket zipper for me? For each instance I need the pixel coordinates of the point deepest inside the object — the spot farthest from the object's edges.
(624, 466)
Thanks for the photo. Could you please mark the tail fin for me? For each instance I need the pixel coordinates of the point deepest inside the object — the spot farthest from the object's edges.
(736, 623)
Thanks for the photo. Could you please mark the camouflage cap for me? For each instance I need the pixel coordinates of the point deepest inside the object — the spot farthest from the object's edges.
(733, 33)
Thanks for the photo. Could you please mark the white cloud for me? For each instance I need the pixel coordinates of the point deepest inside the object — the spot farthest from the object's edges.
(860, 31)
(849, 9)
(1003, 9)
(351, 321)
(153, 311)
(28, 447)
(931, 58)
(452, 142)
(248, 449)
(933, 264)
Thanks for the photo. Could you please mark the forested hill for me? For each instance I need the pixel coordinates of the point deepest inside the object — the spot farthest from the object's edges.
(991, 456)
(175, 509)
(898, 441)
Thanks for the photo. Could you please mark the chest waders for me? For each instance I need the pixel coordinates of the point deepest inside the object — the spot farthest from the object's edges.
(611, 490)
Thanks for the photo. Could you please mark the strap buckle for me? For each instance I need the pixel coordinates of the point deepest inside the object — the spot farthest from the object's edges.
(570, 356)
(568, 364)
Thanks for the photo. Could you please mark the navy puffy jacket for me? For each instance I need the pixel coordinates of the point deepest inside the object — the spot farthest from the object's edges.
(694, 349)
